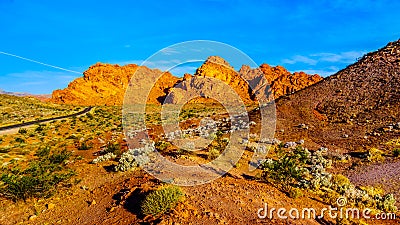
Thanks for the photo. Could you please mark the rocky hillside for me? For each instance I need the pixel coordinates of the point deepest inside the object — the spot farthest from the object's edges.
(105, 84)
(278, 81)
(351, 110)
(267, 83)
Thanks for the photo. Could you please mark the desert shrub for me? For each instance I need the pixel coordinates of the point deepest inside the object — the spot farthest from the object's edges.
(59, 157)
(348, 221)
(43, 152)
(113, 148)
(340, 183)
(72, 137)
(161, 201)
(134, 158)
(375, 155)
(252, 146)
(162, 145)
(39, 179)
(219, 142)
(213, 153)
(39, 128)
(396, 152)
(295, 193)
(104, 158)
(217, 146)
(84, 146)
(89, 115)
(22, 131)
(373, 191)
(288, 170)
(19, 140)
(5, 149)
(331, 197)
(386, 203)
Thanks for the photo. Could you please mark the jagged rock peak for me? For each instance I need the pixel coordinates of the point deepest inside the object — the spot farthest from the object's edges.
(218, 60)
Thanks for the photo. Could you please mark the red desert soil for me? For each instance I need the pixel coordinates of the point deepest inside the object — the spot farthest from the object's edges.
(104, 197)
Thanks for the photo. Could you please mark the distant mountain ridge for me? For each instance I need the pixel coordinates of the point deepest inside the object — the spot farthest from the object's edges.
(105, 84)
(25, 94)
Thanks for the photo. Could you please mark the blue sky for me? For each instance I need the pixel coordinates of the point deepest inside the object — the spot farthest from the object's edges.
(314, 36)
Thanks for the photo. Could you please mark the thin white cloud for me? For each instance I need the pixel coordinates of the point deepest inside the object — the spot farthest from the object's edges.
(343, 57)
(169, 51)
(314, 59)
(45, 74)
(300, 59)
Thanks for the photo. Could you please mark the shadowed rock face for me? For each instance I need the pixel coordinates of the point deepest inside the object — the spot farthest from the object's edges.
(105, 84)
(271, 83)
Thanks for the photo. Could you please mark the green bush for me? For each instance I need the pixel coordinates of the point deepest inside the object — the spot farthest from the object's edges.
(160, 201)
(387, 203)
(19, 140)
(43, 152)
(217, 146)
(287, 170)
(340, 183)
(89, 115)
(38, 180)
(59, 157)
(162, 145)
(213, 153)
(113, 148)
(39, 128)
(5, 149)
(22, 131)
(295, 193)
